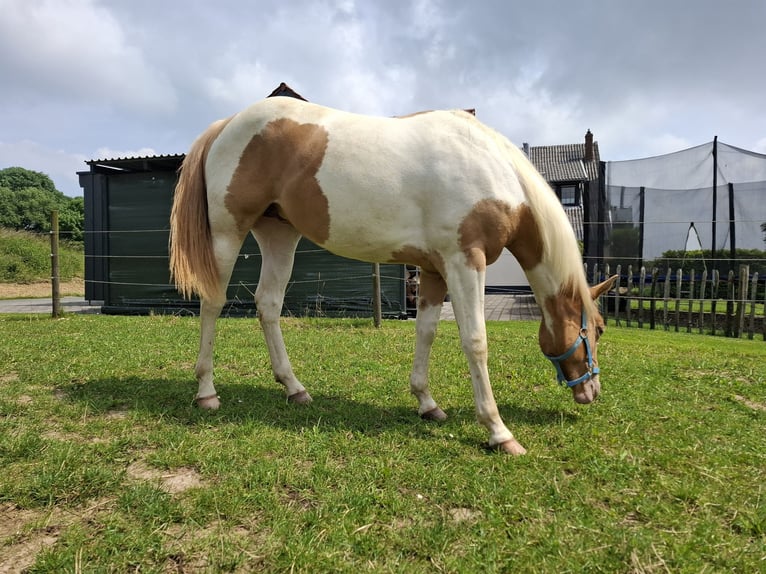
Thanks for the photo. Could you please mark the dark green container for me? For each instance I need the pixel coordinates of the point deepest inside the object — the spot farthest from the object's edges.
(127, 213)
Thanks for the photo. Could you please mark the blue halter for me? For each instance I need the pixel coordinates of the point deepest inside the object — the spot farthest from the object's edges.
(582, 337)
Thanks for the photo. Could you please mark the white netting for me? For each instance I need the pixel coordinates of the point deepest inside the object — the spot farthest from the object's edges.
(678, 192)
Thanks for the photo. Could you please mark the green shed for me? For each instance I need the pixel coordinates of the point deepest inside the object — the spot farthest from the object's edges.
(127, 212)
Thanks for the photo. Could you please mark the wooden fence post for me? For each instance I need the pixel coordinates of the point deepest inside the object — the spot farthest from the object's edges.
(653, 302)
(679, 281)
(377, 312)
(617, 296)
(714, 298)
(665, 299)
(55, 281)
(641, 285)
(744, 276)
(628, 298)
(753, 301)
(691, 303)
(703, 282)
(763, 323)
(729, 332)
(603, 300)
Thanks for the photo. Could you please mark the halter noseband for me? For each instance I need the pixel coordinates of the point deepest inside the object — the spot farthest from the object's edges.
(556, 360)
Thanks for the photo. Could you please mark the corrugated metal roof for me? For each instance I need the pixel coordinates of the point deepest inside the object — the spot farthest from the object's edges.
(137, 164)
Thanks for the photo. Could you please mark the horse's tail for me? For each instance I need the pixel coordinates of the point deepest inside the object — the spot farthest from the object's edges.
(193, 266)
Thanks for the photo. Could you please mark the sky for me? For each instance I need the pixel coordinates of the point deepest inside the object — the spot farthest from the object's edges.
(100, 79)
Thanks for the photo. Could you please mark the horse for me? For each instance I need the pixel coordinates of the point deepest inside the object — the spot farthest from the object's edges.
(438, 189)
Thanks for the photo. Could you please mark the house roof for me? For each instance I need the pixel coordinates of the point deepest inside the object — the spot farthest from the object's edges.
(560, 163)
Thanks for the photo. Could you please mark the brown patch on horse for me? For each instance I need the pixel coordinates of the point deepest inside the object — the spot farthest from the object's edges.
(564, 311)
(277, 172)
(427, 260)
(432, 288)
(493, 225)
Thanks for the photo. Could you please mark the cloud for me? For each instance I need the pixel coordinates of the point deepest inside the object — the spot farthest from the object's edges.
(60, 166)
(119, 77)
(107, 153)
(75, 49)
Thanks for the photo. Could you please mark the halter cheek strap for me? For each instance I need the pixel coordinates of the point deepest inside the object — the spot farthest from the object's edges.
(556, 360)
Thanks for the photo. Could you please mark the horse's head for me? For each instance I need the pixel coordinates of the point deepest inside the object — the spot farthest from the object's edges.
(569, 335)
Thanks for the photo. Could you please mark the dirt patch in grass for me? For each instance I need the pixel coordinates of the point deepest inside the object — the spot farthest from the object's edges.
(73, 288)
(751, 404)
(24, 533)
(21, 555)
(173, 482)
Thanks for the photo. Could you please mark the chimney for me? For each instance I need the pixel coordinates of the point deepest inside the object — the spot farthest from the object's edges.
(588, 146)
(525, 147)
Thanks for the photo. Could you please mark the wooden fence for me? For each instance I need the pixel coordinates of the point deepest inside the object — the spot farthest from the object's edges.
(732, 305)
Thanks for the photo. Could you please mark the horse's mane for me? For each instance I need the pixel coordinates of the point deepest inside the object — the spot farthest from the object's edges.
(561, 253)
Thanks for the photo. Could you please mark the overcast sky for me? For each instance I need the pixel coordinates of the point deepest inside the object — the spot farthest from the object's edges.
(94, 79)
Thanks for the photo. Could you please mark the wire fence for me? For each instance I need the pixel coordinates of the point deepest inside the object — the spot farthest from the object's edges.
(686, 293)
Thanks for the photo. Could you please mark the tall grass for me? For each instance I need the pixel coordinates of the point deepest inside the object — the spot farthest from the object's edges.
(26, 258)
(106, 465)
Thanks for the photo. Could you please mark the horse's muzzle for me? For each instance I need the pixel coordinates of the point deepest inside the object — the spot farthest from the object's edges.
(587, 391)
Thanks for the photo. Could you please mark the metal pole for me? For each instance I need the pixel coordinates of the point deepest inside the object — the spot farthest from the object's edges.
(377, 312)
(732, 229)
(55, 286)
(715, 200)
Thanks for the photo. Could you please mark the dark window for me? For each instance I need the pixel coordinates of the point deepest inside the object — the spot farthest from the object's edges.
(569, 195)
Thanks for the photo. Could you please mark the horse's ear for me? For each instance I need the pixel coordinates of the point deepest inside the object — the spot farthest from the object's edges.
(597, 290)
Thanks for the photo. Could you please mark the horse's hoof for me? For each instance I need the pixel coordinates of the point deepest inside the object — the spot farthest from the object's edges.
(301, 398)
(210, 403)
(435, 414)
(511, 446)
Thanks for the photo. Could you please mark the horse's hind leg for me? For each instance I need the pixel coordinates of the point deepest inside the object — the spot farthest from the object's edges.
(277, 240)
(226, 248)
(430, 299)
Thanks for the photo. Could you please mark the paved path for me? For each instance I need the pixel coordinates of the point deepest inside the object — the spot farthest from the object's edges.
(44, 305)
(496, 307)
(502, 308)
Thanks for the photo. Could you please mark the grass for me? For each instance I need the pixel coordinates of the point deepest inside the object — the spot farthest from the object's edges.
(107, 465)
(26, 258)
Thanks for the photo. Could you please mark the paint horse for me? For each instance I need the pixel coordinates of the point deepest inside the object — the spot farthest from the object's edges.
(439, 190)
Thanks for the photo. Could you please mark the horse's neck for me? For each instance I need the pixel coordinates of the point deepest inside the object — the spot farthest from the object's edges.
(544, 281)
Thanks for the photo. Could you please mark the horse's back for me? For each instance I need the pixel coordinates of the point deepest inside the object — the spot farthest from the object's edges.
(373, 184)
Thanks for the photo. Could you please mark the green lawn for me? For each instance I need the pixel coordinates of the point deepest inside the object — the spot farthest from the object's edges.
(107, 466)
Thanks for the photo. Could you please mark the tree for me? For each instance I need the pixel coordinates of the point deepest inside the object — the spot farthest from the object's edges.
(71, 218)
(763, 228)
(18, 178)
(27, 199)
(28, 209)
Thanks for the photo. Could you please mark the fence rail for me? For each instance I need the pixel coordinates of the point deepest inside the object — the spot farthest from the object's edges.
(732, 305)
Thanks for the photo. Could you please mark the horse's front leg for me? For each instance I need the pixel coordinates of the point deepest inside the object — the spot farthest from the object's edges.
(430, 298)
(467, 290)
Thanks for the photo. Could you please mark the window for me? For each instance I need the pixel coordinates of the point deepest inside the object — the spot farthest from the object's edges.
(569, 195)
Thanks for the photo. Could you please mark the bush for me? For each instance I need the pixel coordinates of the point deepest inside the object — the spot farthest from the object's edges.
(26, 257)
(699, 260)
